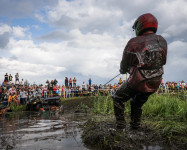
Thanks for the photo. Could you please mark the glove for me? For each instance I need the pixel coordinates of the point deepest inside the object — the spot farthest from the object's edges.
(121, 71)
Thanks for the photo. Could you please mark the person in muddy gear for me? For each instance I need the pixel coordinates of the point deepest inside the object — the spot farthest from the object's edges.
(143, 58)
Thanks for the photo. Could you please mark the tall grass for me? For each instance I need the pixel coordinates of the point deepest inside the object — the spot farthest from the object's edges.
(166, 106)
(103, 105)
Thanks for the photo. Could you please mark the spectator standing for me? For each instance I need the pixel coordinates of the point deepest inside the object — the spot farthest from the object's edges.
(63, 91)
(22, 82)
(74, 82)
(55, 82)
(69, 92)
(10, 78)
(183, 85)
(52, 83)
(45, 91)
(39, 90)
(83, 86)
(100, 86)
(166, 87)
(9, 99)
(54, 90)
(66, 91)
(47, 84)
(96, 88)
(90, 82)
(16, 78)
(120, 81)
(70, 82)
(6, 78)
(50, 90)
(66, 82)
(60, 91)
(23, 97)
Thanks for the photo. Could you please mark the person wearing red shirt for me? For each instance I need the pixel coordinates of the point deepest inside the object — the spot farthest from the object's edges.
(70, 82)
(54, 90)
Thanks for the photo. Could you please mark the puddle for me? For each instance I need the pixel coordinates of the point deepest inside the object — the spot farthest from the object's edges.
(31, 130)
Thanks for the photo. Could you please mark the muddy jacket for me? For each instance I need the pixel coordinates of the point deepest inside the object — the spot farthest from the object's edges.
(143, 58)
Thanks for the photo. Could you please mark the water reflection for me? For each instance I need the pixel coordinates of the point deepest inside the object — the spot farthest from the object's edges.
(31, 130)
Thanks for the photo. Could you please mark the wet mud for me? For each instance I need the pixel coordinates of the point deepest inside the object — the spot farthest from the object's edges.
(34, 131)
(44, 131)
(102, 135)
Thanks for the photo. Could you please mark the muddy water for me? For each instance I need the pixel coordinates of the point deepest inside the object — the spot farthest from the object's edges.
(41, 131)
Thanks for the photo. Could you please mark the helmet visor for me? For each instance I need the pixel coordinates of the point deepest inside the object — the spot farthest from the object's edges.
(135, 24)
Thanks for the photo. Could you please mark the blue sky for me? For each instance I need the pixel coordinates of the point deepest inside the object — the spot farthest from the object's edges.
(50, 39)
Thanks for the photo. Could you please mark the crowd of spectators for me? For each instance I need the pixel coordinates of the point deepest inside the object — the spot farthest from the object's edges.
(171, 87)
(20, 91)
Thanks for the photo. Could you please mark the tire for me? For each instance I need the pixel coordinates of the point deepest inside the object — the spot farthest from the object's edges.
(38, 106)
(27, 108)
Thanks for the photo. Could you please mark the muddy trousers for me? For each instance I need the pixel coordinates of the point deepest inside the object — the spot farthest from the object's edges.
(122, 95)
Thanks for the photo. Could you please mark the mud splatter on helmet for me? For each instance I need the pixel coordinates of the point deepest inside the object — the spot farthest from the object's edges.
(145, 22)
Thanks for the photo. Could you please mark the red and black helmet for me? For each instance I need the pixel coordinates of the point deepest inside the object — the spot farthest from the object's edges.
(145, 22)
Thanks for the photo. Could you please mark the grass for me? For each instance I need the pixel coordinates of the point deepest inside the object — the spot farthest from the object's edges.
(166, 106)
(75, 98)
(103, 105)
(18, 108)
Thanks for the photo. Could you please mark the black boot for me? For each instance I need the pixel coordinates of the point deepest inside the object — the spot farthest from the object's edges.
(135, 116)
(119, 114)
(120, 123)
(136, 119)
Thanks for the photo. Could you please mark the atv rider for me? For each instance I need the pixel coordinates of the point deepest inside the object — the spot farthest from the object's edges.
(143, 58)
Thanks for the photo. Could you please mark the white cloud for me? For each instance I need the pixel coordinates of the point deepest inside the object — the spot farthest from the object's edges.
(18, 31)
(85, 15)
(87, 54)
(33, 71)
(6, 32)
(172, 17)
(5, 28)
(40, 17)
(176, 67)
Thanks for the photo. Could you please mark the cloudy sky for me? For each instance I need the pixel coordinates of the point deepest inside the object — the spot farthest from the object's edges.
(47, 39)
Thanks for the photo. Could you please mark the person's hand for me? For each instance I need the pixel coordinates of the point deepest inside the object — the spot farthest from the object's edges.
(121, 71)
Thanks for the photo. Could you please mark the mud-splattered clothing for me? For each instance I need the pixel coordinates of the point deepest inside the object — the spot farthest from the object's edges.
(143, 58)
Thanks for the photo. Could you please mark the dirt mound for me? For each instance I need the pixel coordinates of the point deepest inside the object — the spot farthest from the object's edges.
(77, 104)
